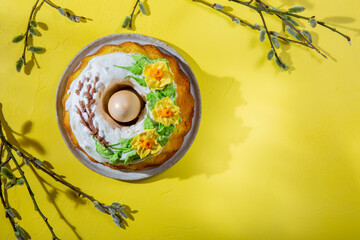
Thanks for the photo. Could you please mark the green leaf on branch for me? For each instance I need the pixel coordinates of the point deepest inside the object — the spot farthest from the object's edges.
(292, 21)
(236, 20)
(270, 54)
(262, 35)
(19, 64)
(116, 205)
(281, 64)
(62, 12)
(9, 184)
(142, 8)
(18, 38)
(292, 32)
(35, 49)
(296, 9)
(10, 213)
(312, 22)
(20, 181)
(217, 6)
(307, 35)
(274, 9)
(71, 17)
(126, 22)
(33, 23)
(275, 42)
(7, 173)
(38, 162)
(20, 230)
(33, 31)
(121, 213)
(98, 206)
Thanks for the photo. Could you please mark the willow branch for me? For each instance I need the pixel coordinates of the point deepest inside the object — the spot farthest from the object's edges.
(54, 176)
(302, 36)
(32, 195)
(321, 23)
(3, 202)
(27, 31)
(231, 16)
(269, 37)
(132, 14)
(58, 7)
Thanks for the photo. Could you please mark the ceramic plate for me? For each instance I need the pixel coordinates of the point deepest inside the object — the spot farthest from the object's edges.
(118, 39)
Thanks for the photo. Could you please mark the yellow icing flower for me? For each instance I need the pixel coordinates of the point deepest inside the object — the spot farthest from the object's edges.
(166, 112)
(157, 75)
(146, 144)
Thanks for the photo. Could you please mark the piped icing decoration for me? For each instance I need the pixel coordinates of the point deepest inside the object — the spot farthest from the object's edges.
(146, 143)
(166, 112)
(151, 78)
(85, 112)
(158, 75)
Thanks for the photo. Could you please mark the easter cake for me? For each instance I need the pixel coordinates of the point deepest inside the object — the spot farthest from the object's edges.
(128, 106)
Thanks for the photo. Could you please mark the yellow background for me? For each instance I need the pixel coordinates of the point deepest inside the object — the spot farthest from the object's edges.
(277, 155)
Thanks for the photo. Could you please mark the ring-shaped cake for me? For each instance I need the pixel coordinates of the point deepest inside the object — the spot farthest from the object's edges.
(167, 106)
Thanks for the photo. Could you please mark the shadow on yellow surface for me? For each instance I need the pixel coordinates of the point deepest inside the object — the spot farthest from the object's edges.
(24, 140)
(212, 140)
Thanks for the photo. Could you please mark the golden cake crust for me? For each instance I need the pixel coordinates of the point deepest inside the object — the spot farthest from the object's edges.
(184, 100)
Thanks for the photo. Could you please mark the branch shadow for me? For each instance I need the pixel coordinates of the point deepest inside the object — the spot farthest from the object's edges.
(306, 3)
(29, 65)
(337, 20)
(52, 195)
(24, 140)
(210, 152)
(51, 191)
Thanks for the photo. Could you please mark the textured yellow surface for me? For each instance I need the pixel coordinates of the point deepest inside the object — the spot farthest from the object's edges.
(277, 155)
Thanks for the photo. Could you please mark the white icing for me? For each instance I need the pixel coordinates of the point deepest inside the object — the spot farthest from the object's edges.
(102, 67)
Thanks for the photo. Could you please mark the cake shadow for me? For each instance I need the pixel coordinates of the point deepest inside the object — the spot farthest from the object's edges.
(210, 153)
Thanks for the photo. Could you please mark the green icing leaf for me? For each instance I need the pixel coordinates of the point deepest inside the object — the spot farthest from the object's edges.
(141, 81)
(169, 90)
(152, 99)
(135, 69)
(161, 59)
(115, 157)
(141, 60)
(162, 130)
(132, 156)
(148, 123)
(126, 142)
(158, 94)
(103, 151)
(162, 140)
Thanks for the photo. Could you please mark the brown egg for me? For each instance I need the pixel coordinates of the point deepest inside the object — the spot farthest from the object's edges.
(124, 106)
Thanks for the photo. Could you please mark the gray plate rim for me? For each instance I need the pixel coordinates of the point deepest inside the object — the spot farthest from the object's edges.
(118, 39)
